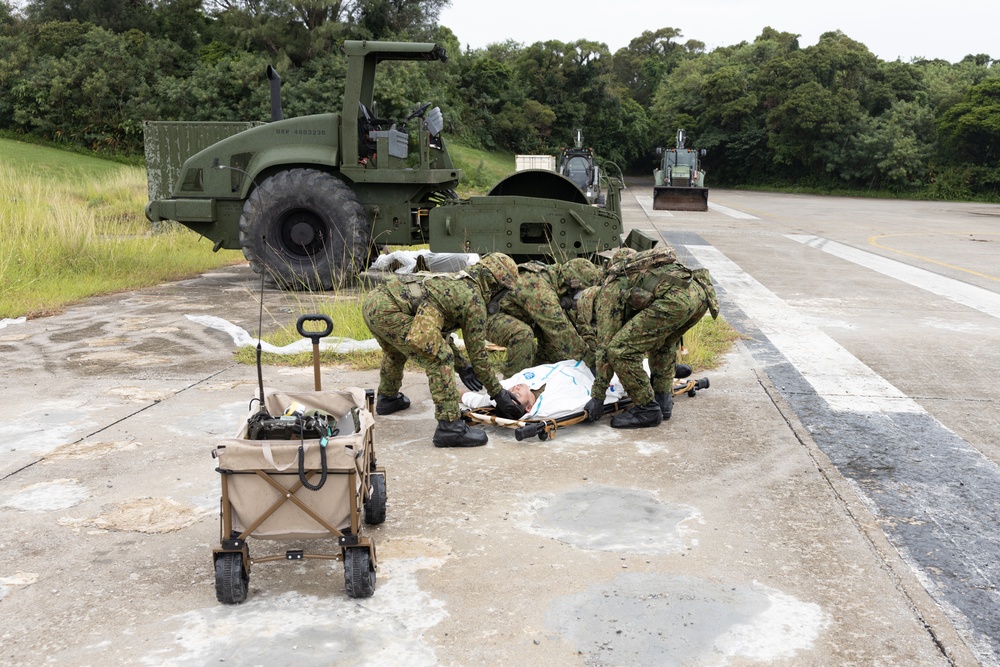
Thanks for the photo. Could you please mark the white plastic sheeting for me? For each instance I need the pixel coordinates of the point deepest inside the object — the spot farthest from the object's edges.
(567, 389)
(5, 321)
(405, 261)
(335, 344)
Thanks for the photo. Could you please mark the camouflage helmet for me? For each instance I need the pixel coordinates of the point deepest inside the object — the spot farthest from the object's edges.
(501, 269)
(620, 255)
(579, 273)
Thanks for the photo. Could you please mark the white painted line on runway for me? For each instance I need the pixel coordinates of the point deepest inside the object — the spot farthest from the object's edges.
(968, 295)
(843, 381)
(731, 212)
(646, 202)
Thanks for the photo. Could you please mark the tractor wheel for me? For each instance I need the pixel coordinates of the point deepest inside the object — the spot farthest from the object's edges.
(306, 229)
(359, 572)
(375, 504)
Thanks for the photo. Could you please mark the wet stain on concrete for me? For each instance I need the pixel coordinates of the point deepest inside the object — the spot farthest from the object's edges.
(58, 494)
(305, 630)
(613, 519)
(94, 330)
(144, 515)
(652, 619)
(109, 359)
(155, 345)
(105, 358)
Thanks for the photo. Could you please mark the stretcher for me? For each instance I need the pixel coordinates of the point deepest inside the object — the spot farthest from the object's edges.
(546, 428)
(302, 468)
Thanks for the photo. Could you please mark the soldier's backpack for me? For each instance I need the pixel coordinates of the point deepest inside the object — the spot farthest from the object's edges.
(648, 269)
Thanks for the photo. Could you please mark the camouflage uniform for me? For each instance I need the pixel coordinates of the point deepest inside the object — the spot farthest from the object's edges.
(541, 306)
(411, 316)
(585, 319)
(676, 299)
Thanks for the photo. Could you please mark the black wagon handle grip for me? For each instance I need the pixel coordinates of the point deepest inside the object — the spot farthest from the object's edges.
(314, 335)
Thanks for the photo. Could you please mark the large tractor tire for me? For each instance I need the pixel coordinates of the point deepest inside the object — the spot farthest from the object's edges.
(306, 229)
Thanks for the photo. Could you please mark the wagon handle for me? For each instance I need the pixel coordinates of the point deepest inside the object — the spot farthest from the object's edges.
(315, 336)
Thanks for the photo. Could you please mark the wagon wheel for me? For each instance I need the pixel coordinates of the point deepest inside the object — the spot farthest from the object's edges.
(307, 228)
(231, 578)
(359, 572)
(375, 503)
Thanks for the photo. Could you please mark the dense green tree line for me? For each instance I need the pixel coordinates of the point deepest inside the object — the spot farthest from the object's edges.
(768, 111)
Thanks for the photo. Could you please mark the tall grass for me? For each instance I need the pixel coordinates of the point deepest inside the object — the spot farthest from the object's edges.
(344, 309)
(481, 170)
(72, 227)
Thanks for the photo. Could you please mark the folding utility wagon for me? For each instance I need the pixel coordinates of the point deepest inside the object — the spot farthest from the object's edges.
(302, 489)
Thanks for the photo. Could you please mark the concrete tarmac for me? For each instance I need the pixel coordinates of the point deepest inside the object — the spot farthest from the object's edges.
(764, 524)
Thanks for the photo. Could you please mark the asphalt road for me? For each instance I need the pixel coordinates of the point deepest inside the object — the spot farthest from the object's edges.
(832, 499)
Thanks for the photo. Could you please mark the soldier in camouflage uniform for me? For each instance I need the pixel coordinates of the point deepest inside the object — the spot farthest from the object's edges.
(645, 306)
(542, 306)
(411, 316)
(584, 316)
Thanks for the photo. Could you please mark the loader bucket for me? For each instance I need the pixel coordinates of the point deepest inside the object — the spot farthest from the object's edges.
(666, 198)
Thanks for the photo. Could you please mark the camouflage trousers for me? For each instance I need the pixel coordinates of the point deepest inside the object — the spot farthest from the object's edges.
(655, 331)
(390, 325)
(523, 351)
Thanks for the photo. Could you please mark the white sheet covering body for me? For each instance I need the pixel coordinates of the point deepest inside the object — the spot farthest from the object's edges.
(567, 389)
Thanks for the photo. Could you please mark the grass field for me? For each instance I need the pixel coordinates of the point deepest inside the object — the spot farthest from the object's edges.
(72, 226)
(481, 170)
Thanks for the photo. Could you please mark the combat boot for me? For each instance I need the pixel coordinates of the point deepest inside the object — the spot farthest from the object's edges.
(458, 434)
(666, 402)
(387, 405)
(639, 416)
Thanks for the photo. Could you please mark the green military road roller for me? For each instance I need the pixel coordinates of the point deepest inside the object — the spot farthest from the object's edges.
(310, 199)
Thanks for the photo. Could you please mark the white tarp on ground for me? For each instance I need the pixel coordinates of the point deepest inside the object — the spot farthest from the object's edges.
(405, 261)
(240, 336)
(5, 321)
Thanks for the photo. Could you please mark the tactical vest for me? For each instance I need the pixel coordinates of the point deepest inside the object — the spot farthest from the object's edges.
(415, 292)
(646, 271)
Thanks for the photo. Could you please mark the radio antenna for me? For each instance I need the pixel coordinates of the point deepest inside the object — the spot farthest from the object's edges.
(260, 332)
(217, 164)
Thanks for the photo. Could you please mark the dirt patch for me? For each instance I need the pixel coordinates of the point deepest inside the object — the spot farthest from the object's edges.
(108, 342)
(91, 450)
(144, 515)
(414, 547)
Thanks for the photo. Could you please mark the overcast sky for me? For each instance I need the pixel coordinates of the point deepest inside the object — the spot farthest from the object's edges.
(890, 29)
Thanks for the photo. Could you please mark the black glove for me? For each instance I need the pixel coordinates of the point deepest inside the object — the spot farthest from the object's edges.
(595, 408)
(508, 407)
(469, 378)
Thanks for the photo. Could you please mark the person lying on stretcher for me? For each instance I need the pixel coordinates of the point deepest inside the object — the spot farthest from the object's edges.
(549, 391)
